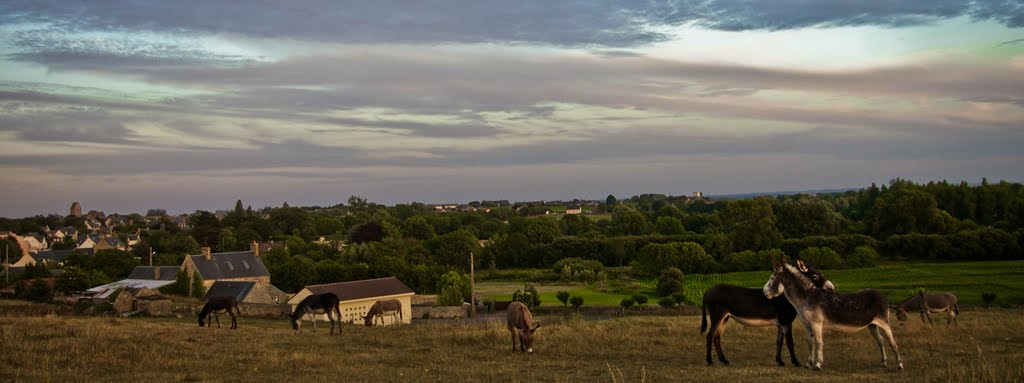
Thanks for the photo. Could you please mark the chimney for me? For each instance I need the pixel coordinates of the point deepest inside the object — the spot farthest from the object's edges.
(255, 248)
(156, 273)
(206, 252)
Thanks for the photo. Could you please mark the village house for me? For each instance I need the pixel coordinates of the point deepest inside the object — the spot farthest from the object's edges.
(574, 210)
(231, 266)
(358, 296)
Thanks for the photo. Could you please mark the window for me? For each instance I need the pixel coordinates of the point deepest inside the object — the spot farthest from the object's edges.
(246, 264)
(230, 266)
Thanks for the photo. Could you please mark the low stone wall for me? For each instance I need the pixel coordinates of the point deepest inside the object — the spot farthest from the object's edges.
(437, 312)
(264, 310)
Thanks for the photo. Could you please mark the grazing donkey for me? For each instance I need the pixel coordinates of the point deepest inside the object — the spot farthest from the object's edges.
(520, 322)
(821, 308)
(327, 303)
(381, 309)
(751, 308)
(927, 303)
(219, 304)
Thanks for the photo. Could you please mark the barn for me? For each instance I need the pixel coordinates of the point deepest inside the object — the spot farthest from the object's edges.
(358, 296)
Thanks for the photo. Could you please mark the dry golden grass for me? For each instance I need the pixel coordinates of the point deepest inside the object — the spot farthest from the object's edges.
(987, 346)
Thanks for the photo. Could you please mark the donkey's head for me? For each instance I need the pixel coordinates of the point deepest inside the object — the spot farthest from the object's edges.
(815, 277)
(202, 319)
(367, 320)
(773, 287)
(527, 337)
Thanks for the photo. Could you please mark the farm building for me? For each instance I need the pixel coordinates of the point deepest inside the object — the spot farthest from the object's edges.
(142, 299)
(358, 296)
(105, 291)
(247, 292)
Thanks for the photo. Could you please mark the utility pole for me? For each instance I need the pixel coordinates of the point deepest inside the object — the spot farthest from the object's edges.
(472, 288)
(151, 256)
(7, 262)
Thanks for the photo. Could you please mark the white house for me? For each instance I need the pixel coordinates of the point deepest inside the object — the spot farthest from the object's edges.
(358, 296)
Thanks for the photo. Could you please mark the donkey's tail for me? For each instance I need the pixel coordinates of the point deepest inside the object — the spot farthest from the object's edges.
(703, 319)
(956, 309)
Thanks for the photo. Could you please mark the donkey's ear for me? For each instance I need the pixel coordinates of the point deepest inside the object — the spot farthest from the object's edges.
(775, 263)
(800, 265)
(535, 327)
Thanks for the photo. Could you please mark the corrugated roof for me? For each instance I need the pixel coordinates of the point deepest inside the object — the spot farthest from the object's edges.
(242, 264)
(167, 273)
(354, 290)
(105, 290)
(237, 289)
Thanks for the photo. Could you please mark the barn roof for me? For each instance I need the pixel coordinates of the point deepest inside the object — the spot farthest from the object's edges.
(240, 264)
(105, 290)
(167, 273)
(355, 290)
(237, 289)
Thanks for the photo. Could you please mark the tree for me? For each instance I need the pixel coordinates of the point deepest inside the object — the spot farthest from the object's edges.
(628, 221)
(563, 296)
(626, 302)
(453, 249)
(610, 201)
(205, 228)
(821, 258)
(454, 288)
(669, 226)
(751, 224)
(367, 232)
(640, 299)
(418, 228)
(198, 288)
(670, 281)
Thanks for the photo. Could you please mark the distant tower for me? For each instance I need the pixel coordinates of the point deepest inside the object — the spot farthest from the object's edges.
(76, 209)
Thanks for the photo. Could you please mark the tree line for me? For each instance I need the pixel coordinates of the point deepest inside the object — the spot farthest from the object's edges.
(651, 232)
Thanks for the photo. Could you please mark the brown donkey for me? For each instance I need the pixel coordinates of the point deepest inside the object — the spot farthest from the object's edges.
(520, 322)
(928, 303)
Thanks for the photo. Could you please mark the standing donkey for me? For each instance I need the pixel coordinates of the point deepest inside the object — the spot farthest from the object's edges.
(750, 307)
(219, 304)
(821, 309)
(927, 303)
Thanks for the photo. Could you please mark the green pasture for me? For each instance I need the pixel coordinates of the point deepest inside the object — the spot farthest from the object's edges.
(968, 280)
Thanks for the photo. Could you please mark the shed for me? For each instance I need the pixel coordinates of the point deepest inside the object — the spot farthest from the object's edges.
(358, 296)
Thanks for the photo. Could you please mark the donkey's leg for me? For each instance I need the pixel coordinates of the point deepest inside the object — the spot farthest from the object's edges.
(718, 341)
(713, 334)
(789, 345)
(779, 335)
(234, 320)
(216, 317)
(878, 339)
(810, 345)
(513, 331)
(819, 345)
(887, 331)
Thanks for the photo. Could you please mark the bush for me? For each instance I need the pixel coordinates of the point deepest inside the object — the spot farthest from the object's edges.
(679, 298)
(640, 299)
(626, 302)
(563, 296)
(666, 302)
(670, 281)
(529, 297)
(863, 256)
(822, 258)
(988, 298)
(576, 302)
(578, 269)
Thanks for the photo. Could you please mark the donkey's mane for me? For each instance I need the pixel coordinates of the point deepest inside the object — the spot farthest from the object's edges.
(800, 277)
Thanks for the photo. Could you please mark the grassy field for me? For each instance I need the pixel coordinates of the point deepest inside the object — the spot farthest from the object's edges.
(968, 280)
(987, 346)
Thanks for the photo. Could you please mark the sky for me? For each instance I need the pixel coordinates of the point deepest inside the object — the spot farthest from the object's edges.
(187, 105)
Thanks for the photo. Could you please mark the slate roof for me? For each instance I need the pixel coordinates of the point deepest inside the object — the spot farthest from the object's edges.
(237, 289)
(355, 290)
(53, 257)
(167, 273)
(241, 264)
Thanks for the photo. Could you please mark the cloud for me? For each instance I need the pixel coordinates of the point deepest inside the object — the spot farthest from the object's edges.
(601, 23)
